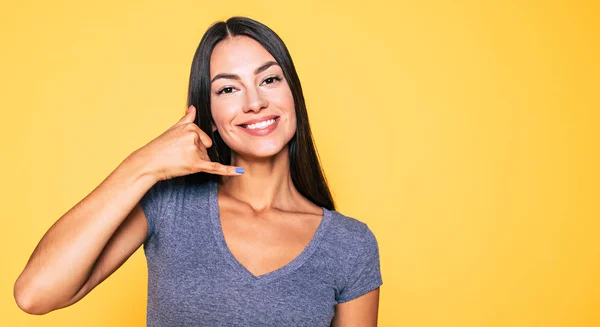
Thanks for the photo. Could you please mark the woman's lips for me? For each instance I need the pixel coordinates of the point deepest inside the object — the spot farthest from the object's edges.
(261, 131)
(258, 120)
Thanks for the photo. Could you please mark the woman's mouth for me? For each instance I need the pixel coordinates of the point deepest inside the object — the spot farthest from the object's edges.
(262, 124)
(261, 128)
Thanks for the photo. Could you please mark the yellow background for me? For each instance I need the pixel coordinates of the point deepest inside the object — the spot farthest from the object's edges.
(465, 133)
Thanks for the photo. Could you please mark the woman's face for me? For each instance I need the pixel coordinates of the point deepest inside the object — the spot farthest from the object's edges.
(251, 102)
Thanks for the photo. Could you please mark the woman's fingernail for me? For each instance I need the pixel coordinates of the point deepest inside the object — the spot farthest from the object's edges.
(239, 170)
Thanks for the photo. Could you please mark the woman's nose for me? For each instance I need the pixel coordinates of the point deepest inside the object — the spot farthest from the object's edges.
(255, 100)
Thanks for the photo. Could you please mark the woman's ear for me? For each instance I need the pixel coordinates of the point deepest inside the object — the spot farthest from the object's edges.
(212, 125)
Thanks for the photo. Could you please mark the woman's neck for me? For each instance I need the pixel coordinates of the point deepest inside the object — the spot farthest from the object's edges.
(266, 182)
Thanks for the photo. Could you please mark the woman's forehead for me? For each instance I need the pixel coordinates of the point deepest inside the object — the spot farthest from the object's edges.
(238, 55)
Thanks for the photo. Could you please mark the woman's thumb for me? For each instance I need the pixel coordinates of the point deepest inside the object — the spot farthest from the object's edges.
(189, 116)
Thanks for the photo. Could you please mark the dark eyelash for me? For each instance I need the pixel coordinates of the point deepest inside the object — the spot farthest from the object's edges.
(221, 90)
(277, 78)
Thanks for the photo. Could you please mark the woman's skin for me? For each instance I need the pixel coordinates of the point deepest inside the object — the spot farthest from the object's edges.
(259, 209)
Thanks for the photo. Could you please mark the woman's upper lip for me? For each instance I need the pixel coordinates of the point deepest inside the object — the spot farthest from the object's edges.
(258, 120)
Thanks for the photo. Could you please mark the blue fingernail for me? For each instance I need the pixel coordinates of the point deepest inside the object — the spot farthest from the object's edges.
(239, 170)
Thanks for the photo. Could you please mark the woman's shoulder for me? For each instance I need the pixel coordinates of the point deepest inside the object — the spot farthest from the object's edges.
(167, 198)
(348, 226)
(354, 249)
(350, 233)
(168, 191)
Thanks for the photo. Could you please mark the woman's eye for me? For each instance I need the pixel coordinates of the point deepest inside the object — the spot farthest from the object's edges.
(225, 90)
(270, 80)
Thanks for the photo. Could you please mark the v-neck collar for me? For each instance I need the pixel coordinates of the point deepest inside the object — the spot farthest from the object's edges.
(241, 269)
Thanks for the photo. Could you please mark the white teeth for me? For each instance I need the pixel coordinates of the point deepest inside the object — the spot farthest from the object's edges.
(262, 124)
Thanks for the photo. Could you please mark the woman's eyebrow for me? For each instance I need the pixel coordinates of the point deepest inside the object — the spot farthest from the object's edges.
(258, 70)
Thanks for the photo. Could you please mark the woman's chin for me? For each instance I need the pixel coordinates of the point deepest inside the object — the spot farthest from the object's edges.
(262, 152)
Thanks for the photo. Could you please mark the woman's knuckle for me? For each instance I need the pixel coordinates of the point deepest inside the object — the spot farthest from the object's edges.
(192, 148)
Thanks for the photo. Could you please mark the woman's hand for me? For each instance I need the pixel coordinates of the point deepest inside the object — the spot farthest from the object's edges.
(181, 150)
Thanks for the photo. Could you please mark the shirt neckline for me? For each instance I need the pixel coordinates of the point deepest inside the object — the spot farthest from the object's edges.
(241, 269)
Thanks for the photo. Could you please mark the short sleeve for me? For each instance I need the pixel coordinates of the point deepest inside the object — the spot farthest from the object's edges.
(363, 272)
(153, 202)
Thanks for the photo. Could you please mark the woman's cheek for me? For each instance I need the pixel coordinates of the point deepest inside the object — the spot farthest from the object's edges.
(223, 113)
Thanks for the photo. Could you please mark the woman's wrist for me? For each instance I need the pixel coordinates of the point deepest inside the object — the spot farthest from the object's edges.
(139, 169)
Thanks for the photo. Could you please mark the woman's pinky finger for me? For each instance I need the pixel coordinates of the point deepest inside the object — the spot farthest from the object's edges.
(219, 169)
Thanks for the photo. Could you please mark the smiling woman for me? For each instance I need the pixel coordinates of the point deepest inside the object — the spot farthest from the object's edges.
(257, 101)
(231, 205)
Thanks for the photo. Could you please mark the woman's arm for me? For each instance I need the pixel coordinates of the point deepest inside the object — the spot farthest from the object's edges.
(361, 311)
(95, 237)
(88, 243)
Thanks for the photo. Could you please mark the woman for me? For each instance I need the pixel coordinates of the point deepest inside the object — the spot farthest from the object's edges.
(230, 203)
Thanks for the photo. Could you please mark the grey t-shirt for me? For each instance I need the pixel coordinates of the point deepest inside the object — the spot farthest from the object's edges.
(194, 280)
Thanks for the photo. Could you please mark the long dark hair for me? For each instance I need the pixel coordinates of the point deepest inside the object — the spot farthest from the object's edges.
(305, 168)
